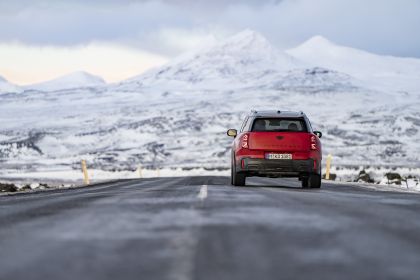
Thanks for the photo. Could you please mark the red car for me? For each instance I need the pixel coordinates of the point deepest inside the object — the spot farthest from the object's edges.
(276, 144)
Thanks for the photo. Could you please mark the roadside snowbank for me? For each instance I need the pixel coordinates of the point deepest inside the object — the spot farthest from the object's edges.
(398, 178)
(15, 180)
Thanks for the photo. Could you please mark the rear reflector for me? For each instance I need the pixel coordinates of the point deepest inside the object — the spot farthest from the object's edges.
(313, 142)
(245, 141)
(243, 164)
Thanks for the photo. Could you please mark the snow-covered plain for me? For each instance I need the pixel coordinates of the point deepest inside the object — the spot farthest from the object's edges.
(366, 105)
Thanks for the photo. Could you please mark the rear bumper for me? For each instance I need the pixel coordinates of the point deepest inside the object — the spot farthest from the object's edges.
(274, 167)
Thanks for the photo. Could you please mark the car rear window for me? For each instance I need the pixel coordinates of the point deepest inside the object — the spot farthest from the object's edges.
(279, 124)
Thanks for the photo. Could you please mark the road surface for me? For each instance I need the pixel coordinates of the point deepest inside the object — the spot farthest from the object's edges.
(203, 228)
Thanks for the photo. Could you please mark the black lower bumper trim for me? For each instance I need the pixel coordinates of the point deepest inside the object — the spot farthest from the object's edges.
(277, 166)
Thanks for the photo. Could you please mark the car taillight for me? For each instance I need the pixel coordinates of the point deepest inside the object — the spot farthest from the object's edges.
(244, 141)
(313, 142)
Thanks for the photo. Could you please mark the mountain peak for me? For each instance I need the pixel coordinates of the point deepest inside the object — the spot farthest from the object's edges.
(81, 77)
(246, 40)
(321, 52)
(317, 41)
(75, 79)
(242, 58)
(248, 35)
(83, 74)
(7, 87)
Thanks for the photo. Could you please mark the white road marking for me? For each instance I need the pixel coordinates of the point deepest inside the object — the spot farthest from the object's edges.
(203, 192)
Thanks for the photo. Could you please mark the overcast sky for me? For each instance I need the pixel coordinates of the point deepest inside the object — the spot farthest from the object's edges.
(41, 39)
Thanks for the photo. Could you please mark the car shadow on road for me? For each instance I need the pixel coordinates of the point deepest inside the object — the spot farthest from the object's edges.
(270, 186)
(275, 183)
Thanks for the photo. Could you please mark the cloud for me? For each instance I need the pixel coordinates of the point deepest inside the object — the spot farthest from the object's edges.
(169, 27)
(24, 64)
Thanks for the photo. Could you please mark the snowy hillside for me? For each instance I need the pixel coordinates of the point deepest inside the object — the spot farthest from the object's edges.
(402, 73)
(7, 87)
(73, 80)
(177, 115)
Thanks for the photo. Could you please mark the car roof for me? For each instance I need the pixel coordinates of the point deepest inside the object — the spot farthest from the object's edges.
(277, 114)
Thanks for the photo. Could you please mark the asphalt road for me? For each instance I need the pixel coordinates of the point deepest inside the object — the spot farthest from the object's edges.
(203, 228)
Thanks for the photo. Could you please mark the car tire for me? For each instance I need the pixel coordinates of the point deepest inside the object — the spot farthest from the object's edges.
(231, 174)
(232, 171)
(305, 183)
(314, 181)
(237, 179)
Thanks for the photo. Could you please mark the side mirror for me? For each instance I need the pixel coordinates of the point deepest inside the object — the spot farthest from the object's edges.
(232, 132)
(318, 133)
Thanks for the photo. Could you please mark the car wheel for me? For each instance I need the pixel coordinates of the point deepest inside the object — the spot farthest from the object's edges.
(315, 181)
(237, 179)
(305, 183)
(232, 171)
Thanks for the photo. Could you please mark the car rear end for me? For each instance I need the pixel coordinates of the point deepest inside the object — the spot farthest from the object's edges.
(278, 147)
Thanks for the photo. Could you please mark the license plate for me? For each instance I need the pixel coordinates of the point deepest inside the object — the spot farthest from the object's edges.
(279, 156)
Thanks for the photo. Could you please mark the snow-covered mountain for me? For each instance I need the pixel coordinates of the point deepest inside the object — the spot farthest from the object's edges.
(78, 79)
(177, 115)
(7, 87)
(373, 68)
(243, 59)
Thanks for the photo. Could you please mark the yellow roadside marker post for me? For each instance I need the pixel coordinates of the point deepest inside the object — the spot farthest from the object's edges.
(327, 172)
(85, 173)
(140, 171)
